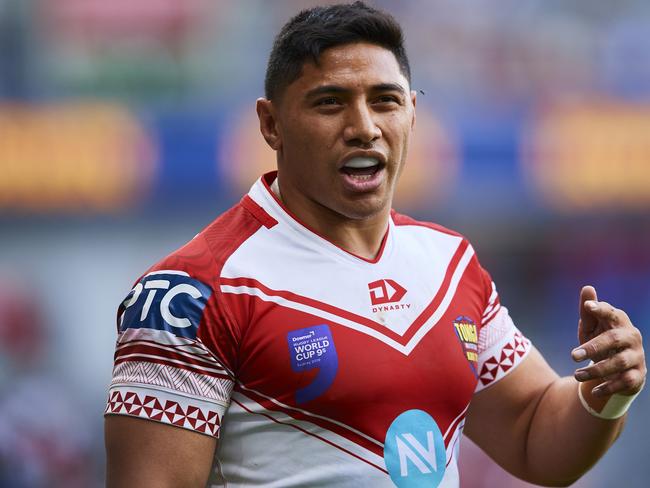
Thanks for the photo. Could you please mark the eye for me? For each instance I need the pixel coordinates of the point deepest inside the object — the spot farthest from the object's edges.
(388, 99)
(327, 101)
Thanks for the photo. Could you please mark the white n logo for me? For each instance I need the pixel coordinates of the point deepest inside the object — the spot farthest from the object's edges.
(425, 462)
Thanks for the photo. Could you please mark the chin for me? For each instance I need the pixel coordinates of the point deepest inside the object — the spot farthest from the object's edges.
(361, 210)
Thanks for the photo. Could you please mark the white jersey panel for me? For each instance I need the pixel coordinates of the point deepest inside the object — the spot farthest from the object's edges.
(318, 458)
(416, 267)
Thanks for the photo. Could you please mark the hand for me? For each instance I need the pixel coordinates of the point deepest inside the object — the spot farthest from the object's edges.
(609, 339)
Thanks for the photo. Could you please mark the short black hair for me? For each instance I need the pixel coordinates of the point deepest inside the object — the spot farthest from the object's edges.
(314, 30)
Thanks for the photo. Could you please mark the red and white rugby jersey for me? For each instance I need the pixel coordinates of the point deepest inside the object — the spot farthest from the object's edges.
(312, 366)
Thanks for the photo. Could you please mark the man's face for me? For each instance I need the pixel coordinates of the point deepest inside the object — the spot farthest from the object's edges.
(341, 132)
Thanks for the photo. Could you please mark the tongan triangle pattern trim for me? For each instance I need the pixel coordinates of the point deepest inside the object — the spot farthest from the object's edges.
(188, 413)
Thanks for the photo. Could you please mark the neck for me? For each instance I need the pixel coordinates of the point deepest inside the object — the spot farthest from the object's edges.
(361, 237)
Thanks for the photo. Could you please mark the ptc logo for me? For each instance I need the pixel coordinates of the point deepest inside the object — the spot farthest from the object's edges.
(385, 291)
(166, 300)
(414, 451)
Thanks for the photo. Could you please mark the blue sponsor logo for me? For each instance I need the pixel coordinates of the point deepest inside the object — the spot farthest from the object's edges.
(166, 300)
(309, 348)
(414, 451)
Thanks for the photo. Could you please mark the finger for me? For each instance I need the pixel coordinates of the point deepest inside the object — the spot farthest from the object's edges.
(603, 345)
(606, 317)
(605, 313)
(587, 323)
(612, 366)
(627, 383)
(587, 293)
(587, 331)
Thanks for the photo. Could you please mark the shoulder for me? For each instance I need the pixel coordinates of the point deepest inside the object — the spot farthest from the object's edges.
(401, 220)
(193, 274)
(205, 254)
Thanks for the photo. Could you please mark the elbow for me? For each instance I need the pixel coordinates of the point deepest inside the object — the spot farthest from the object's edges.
(555, 482)
(565, 482)
(561, 476)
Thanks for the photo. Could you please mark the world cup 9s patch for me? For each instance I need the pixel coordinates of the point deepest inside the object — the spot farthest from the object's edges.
(166, 300)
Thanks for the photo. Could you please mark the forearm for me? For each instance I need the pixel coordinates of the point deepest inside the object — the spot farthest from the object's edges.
(534, 424)
(564, 436)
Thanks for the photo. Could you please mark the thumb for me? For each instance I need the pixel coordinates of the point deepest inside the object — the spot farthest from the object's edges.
(587, 293)
(587, 321)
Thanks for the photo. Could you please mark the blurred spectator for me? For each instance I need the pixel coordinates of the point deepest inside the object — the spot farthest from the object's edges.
(44, 438)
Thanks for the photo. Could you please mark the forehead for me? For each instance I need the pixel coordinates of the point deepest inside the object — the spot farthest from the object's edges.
(358, 64)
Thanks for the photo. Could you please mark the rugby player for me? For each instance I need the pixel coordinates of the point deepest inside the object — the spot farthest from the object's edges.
(312, 336)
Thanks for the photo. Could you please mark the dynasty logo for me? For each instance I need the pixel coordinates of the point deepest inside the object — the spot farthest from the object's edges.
(468, 336)
(385, 295)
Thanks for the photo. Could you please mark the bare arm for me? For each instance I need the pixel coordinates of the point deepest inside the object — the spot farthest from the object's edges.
(532, 422)
(145, 454)
(537, 429)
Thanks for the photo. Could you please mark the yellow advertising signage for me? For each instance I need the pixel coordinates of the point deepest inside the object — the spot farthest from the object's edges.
(581, 156)
(72, 157)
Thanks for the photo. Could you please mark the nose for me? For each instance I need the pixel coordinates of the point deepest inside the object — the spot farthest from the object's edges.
(361, 127)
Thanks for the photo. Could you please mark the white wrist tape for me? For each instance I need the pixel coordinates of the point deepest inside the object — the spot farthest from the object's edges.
(615, 407)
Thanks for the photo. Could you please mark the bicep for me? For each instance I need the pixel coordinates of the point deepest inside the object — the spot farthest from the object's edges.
(500, 416)
(143, 453)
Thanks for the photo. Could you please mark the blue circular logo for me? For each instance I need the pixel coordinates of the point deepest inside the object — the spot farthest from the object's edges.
(414, 451)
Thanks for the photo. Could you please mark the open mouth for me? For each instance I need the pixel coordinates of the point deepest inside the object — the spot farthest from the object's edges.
(363, 168)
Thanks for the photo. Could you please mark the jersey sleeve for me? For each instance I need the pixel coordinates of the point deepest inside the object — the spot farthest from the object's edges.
(501, 346)
(176, 348)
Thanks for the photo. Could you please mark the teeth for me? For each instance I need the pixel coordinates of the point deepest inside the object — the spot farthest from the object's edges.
(361, 162)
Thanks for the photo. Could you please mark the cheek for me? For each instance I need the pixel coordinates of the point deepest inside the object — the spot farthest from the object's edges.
(308, 153)
(406, 138)
(312, 137)
(397, 126)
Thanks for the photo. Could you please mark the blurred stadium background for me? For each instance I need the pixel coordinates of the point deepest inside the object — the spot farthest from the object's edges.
(126, 126)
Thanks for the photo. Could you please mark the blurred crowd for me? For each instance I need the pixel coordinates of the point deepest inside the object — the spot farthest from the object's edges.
(127, 126)
(179, 52)
(44, 435)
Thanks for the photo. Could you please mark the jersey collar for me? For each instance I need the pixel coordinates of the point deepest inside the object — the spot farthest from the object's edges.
(262, 194)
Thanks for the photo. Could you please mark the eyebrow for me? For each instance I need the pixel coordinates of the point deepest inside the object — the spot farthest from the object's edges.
(326, 89)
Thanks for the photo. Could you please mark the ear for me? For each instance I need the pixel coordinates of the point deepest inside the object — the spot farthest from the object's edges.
(268, 123)
(414, 96)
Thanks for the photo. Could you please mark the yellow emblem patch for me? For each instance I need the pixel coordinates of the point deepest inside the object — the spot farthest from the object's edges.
(467, 334)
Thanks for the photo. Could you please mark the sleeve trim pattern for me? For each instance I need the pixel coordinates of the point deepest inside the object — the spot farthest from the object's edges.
(188, 413)
(184, 382)
(493, 307)
(506, 349)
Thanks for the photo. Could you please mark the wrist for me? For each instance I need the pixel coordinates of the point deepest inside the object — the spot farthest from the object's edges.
(605, 407)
